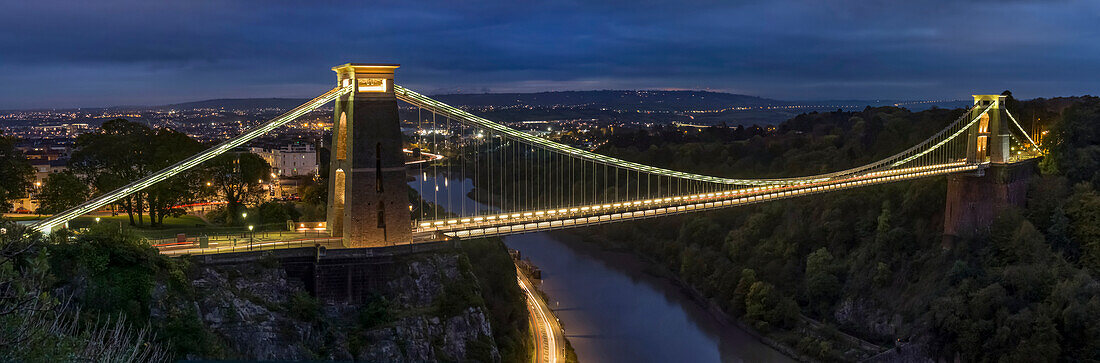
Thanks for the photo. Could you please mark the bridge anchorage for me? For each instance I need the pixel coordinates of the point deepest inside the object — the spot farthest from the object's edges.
(506, 181)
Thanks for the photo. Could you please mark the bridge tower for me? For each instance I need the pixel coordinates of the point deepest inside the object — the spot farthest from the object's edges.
(368, 200)
(973, 200)
(989, 141)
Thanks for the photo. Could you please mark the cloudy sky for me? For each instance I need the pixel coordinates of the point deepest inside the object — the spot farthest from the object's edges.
(81, 53)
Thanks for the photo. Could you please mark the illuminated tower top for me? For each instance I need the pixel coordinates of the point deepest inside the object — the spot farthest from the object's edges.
(368, 77)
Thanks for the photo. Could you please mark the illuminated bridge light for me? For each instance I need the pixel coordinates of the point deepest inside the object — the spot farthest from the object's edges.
(722, 190)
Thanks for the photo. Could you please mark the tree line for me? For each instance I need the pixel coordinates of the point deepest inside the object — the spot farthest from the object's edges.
(870, 262)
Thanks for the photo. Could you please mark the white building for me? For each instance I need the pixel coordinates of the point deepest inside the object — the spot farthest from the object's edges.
(290, 160)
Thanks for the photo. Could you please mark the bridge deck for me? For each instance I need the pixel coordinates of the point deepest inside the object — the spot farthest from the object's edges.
(542, 220)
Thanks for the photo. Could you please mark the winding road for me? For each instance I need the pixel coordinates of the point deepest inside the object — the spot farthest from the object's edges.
(549, 337)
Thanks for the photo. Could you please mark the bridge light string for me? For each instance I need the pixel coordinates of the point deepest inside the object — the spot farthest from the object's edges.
(47, 225)
(957, 133)
(521, 153)
(517, 151)
(423, 101)
(746, 195)
(530, 177)
(1018, 127)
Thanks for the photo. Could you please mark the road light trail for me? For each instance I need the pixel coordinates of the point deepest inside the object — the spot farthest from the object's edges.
(542, 319)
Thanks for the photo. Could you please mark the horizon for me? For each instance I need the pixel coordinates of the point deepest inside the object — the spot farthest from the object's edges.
(940, 100)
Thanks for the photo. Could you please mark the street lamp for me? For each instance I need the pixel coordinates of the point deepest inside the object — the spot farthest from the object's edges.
(250, 235)
(97, 220)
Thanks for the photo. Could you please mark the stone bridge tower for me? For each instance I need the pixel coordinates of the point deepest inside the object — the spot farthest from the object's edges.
(989, 140)
(368, 200)
(974, 199)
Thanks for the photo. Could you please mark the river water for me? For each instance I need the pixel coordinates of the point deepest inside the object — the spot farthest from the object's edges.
(611, 310)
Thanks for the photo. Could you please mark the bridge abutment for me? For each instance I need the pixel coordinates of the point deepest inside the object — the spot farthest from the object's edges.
(974, 199)
(344, 275)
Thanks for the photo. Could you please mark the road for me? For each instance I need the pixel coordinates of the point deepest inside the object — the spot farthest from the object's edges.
(224, 244)
(549, 337)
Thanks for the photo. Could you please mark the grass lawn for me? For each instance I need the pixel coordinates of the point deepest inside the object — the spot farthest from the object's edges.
(24, 218)
(188, 221)
(188, 224)
(84, 221)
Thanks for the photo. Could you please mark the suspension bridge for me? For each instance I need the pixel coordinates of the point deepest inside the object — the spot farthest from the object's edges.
(520, 182)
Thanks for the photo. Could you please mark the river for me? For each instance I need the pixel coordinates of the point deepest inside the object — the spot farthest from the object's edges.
(612, 311)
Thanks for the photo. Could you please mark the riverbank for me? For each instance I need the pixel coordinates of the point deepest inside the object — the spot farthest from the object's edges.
(631, 261)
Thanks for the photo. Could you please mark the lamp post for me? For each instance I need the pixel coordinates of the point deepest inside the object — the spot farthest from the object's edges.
(250, 235)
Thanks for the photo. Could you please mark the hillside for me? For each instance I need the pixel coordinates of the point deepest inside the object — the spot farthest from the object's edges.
(614, 99)
(870, 262)
(238, 103)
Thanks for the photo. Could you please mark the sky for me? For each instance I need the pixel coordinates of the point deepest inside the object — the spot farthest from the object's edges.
(80, 53)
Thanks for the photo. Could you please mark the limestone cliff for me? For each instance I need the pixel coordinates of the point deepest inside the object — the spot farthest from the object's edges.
(429, 308)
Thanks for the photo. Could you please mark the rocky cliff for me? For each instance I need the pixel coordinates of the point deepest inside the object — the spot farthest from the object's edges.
(429, 309)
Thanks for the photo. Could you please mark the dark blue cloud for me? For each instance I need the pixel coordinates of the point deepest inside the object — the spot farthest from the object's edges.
(56, 53)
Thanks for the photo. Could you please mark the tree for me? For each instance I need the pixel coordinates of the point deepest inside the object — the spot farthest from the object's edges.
(276, 212)
(113, 157)
(125, 151)
(748, 278)
(37, 326)
(767, 306)
(169, 147)
(61, 191)
(15, 173)
(822, 285)
(238, 177)
(1083, 210)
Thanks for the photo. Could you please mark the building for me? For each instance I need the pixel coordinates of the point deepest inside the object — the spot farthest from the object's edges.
(290, 160)
(46, 160)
